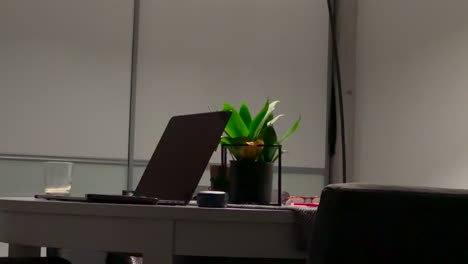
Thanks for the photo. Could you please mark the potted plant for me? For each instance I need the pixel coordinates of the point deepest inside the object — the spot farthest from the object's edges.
(253, 144)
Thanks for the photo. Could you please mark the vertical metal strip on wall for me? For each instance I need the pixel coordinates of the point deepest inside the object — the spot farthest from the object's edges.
(133, 79)
(327, 177)
(346, 22)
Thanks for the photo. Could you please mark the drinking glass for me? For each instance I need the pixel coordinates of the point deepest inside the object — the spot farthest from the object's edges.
(57, 177)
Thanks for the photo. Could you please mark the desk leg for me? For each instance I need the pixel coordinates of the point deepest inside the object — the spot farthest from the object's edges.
(23, 251)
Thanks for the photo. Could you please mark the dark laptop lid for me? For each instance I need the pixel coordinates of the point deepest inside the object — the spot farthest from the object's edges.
(181, 157)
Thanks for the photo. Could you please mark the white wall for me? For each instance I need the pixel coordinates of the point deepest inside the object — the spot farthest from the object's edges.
(197, 55)
(412, 93)
(65, 77)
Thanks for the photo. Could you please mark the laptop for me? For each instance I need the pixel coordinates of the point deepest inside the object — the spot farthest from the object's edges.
(177, 164)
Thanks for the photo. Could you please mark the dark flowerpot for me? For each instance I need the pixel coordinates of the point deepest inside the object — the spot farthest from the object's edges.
(219, 178)
(250, 182)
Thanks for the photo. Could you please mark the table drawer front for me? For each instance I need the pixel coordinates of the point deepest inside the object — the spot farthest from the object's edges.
(225, 239)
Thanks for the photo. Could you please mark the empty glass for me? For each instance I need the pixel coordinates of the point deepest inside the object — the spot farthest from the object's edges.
(57, 177)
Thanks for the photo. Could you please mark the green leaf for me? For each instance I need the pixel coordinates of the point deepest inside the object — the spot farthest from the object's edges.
(277, 155)
(291, 131)
(258, 119)
(269, 118)
(239, 140)
(269, 138)
(272, 121)
(235, 127)
(225, 140)
(268, 114)
(244, 112)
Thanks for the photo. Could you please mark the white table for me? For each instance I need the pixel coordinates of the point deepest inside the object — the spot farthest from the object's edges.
(158, 232)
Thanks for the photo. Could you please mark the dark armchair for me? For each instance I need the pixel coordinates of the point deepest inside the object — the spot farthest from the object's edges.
(359, 223)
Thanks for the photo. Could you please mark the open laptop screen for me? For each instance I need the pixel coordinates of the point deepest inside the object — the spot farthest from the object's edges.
(181, 157)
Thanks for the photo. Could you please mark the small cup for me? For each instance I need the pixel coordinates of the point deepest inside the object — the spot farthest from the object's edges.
(219, 178)
(57, 178)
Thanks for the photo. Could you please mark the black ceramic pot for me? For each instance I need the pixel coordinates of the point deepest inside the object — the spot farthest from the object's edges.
(219, 178)
(250, 182)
